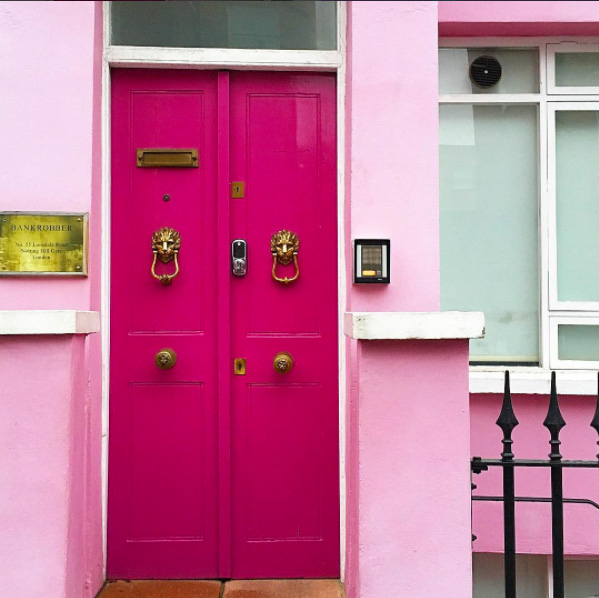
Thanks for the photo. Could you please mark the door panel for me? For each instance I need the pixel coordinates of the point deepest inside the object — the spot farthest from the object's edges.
(282, 185)
(163, 474)
(278, 510)
(284, 427)
(156, 410)
(176, 120)
(280, 462)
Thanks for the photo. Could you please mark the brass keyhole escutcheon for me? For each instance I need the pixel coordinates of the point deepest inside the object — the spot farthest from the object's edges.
(240, 366)
(283, 362)
(165, 359)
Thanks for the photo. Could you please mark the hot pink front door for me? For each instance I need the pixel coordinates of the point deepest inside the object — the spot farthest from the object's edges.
(216, 471)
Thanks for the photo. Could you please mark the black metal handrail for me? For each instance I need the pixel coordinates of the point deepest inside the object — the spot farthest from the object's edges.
(554, 422)
(574, 501)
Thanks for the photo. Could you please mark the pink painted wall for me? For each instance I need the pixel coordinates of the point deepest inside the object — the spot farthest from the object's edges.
(518, 18)
(394, 167)
(47, 51)
(51, 59)
(414, 492)
(531, 440)
(41, 541)
(408, 505)
(50, 411)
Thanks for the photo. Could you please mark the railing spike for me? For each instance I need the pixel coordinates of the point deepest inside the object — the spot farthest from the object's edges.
(595, 420)
(507, 420)
(554, 421)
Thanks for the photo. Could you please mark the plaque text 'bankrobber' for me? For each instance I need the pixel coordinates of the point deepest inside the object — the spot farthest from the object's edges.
(43, 243)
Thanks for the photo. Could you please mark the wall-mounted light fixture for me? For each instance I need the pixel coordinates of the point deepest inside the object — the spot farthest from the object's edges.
(372, 260)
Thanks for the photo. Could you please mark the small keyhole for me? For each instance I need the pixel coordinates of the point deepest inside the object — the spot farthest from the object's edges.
(239, 367)
(166, 197)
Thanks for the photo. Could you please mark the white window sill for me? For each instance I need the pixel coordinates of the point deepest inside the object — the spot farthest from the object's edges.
(532, 380)
(34, 321)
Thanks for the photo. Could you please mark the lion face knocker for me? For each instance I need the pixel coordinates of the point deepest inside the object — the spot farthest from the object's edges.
(284, 247)
(166, 244)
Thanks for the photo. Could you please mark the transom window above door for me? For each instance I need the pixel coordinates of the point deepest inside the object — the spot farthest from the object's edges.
(519, 178)
(248, 24)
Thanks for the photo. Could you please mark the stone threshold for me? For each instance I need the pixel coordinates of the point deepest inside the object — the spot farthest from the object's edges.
(264, 588)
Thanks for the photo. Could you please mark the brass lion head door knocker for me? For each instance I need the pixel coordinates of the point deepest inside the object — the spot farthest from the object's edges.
(166, 244)
(284, 247)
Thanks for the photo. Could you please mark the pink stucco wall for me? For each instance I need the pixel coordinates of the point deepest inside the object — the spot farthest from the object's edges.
(46, 108)
(394, 169)
(414, 492)
(518, 18)
(42, 540)
(408, 509)
(50, 413)
(407, 419)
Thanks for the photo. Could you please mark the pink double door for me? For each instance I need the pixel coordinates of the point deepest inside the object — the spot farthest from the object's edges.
(221, 468)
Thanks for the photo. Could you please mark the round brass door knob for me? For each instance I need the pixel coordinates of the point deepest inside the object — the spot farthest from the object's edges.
(283, 362)
(165, 359)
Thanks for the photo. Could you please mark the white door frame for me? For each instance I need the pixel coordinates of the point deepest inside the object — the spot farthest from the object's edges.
(217, 58)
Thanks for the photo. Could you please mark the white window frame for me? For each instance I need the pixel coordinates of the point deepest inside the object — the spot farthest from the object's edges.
(568, 47)
(231, 58)
(554, 303)
(579, 320)
(574, 377)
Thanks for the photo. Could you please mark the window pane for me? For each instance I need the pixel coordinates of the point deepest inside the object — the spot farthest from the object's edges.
(489, 225)
(277, 25)
(488, 577)
(581, 579)
(519, 70)
(578, 69)
(579, 343)
(577, 172)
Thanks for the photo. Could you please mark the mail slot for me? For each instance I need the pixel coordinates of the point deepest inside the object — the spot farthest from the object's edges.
(167, 158)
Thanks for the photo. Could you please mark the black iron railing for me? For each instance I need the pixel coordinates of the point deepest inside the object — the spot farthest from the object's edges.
(554, 422)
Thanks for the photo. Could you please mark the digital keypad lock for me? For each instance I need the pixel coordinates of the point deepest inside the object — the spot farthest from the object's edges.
(239, 257)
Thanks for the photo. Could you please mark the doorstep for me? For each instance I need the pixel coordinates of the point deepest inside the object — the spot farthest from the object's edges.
(264, 588)
(284, 588)
(161, 589)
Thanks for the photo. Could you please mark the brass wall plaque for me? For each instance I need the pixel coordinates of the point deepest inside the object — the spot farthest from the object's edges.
(170, 158)
(43, 243)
